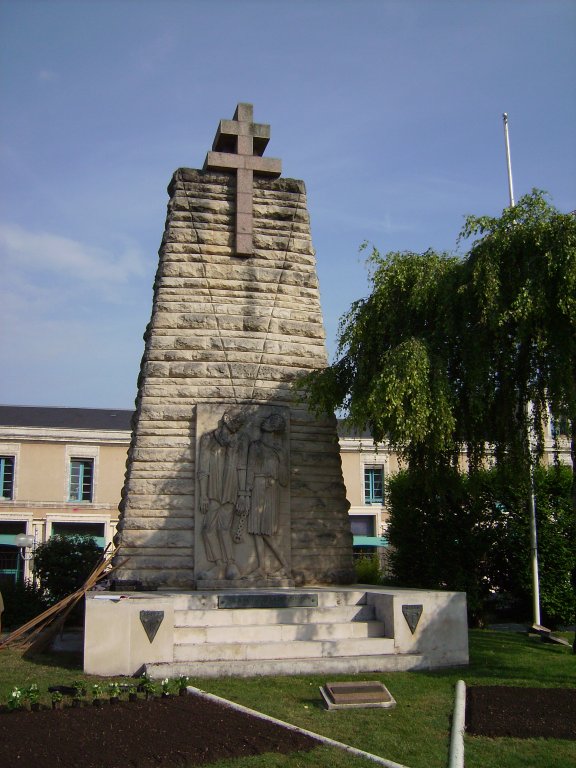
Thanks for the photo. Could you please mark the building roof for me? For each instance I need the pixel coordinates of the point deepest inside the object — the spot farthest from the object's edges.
(45, 416)
(65, 418)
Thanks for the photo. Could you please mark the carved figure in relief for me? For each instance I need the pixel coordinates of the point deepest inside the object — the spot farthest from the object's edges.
(222, 491)
(267, 473)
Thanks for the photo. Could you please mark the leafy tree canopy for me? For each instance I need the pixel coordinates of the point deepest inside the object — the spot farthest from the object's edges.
(63, 563)
(447, 352)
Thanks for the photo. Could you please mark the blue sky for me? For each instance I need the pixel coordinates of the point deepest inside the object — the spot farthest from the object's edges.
(390, 111)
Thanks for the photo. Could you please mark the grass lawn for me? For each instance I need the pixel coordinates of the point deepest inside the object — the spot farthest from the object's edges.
(416, 733)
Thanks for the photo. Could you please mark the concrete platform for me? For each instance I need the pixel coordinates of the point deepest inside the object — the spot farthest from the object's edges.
(314, 630)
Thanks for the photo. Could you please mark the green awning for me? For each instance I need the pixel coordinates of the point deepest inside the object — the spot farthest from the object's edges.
(370, 541)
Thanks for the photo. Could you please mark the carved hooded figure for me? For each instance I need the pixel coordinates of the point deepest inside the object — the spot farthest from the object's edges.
(221, 478)
(267, 472)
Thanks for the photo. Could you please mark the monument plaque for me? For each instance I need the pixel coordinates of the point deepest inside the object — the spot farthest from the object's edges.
(412, 614)
(151, 621)
(267, 600)
(231, 482)
(349, 695)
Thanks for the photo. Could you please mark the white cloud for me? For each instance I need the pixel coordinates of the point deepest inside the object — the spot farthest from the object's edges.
(42, 253)
(64, 346)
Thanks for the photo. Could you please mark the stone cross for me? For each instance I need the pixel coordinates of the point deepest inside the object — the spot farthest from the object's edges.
(239, 146)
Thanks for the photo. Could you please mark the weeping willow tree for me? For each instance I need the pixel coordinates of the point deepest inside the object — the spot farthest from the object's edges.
(467, 355)
(450, 354)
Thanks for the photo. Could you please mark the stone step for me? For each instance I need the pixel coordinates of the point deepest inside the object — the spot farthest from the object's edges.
(253, 651)
(326, 597)
(257, 616)
(278, 632)
(330, 665)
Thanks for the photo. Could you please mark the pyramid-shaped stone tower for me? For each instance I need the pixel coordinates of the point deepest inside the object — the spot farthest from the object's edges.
(231, 482)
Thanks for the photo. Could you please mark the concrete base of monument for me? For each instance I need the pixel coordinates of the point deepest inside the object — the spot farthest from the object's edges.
(269, 582)
(270, 631)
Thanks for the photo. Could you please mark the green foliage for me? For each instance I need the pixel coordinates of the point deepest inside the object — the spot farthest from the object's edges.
(392, 373)
(113, 689)
(470, 354)
(22, 602)
(146, 685)
(97, 692)
(63, 563)
(80, 689)
(519, 282)
(469, 532)
(15, 699)
(439, 537)
(446, 353)
(368, 570)
(556, 544)
(32, 693)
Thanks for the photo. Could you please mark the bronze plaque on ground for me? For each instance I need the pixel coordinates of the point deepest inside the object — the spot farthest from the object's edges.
(369, 693)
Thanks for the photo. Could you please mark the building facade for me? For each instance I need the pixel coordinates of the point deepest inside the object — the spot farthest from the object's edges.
(62, 471)
(365, 467)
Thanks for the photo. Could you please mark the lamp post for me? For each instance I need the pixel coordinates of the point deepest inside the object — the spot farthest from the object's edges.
(25, 541)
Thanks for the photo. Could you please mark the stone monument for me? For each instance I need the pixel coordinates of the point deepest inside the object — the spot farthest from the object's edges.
(231, 482)
(235, 550)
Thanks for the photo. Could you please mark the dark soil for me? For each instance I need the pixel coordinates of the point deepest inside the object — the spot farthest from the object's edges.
(175, 731)
(523, 713)
(192, 731)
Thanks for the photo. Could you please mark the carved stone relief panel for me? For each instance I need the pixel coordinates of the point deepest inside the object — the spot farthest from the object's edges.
(242, 516)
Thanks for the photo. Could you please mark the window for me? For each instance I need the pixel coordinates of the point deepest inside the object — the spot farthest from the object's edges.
(362, 525)
(560, 427)
(7, 477)
(81, 476)
(91, 530)
(11, 564)
(373, 485)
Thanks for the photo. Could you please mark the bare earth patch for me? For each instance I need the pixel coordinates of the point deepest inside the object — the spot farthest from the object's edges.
(175, 731)
(191, 731)
(522, 713)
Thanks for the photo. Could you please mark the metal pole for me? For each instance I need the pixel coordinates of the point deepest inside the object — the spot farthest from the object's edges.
(508, 163)
(533, 534)
(532, 495)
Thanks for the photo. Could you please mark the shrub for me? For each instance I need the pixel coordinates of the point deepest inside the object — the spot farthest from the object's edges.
(368, 570)
(471, 533)
(439, 539)
(556, 544)
(22, 602)
(63, 563)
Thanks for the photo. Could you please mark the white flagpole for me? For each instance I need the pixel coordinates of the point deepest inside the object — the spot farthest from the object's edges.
(532, 496)
(508, 163)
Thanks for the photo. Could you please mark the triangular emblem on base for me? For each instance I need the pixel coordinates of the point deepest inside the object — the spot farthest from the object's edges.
(412, 615)
(151, 621)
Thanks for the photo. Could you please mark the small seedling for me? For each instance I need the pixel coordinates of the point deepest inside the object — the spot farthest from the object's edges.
(79, 689)
(32, 694)
(15, 699)
(113, 690)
